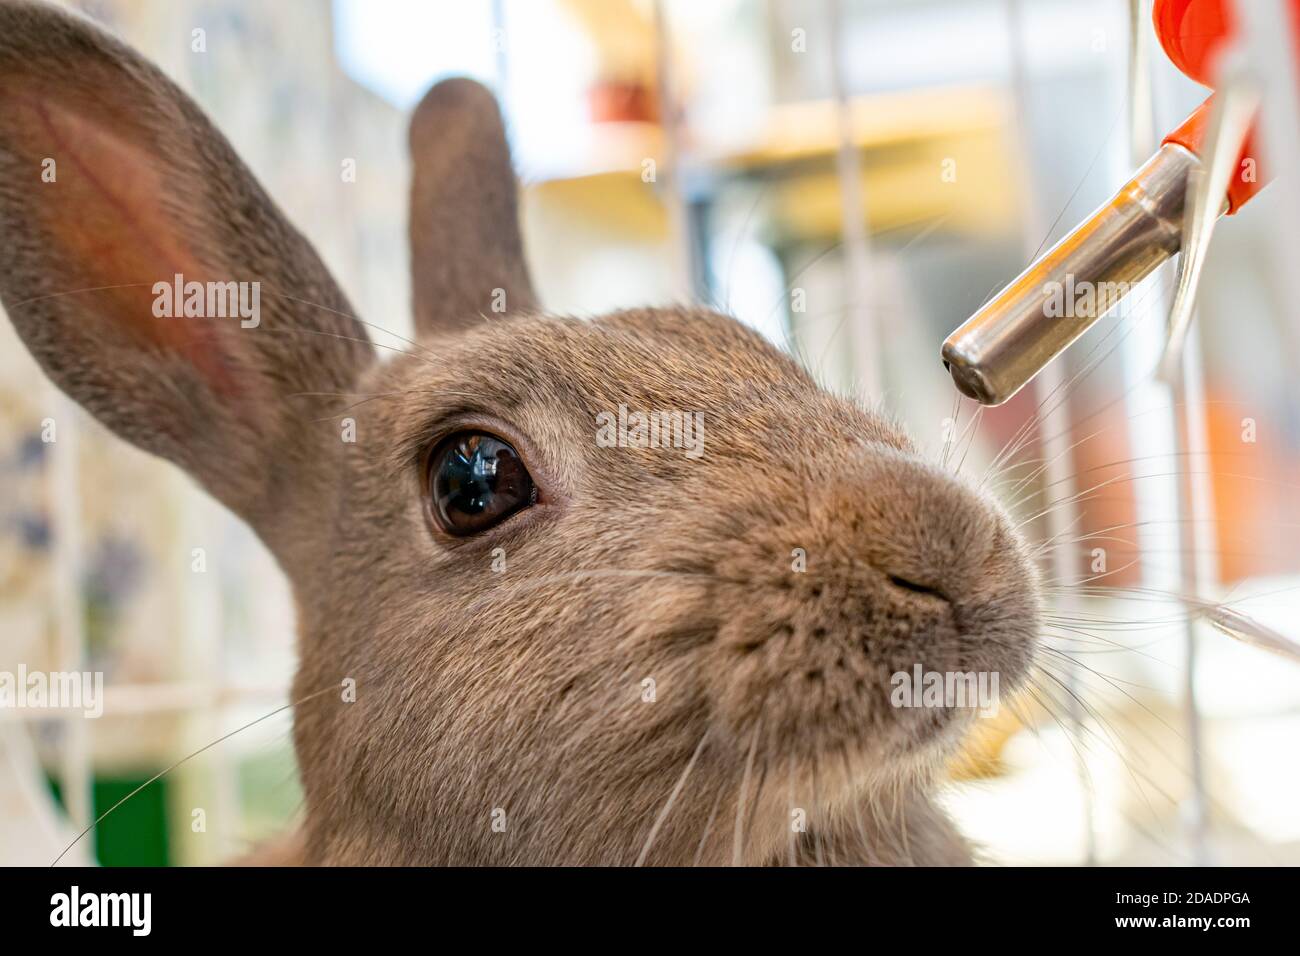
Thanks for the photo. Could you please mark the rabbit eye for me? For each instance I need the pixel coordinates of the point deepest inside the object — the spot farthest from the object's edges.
(476, 480)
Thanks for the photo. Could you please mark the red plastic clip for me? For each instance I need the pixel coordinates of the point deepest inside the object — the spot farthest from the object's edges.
(1193, 34)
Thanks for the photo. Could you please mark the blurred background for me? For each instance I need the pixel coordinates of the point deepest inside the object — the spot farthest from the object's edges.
(853, 178)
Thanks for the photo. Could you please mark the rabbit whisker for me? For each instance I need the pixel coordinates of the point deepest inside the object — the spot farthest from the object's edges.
(420, 349)
(672, 799)
(532, 582)
(162, 773)
(737, 856)
(708, 825)
(56, 295)
(792, 838)
(861, 827)
(818, 852)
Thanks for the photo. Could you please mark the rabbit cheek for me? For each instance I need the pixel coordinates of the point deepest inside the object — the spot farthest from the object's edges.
(915, 613)
(813, 665)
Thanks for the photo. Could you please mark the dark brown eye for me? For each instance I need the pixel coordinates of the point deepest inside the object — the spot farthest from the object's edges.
(476, 481)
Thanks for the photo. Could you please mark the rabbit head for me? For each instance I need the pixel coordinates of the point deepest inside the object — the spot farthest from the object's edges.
(569, 591)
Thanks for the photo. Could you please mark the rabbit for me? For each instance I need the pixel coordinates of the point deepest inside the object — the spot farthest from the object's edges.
(518, 644)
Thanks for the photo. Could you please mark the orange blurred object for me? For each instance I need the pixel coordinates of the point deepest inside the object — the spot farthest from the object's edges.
(1193, 34)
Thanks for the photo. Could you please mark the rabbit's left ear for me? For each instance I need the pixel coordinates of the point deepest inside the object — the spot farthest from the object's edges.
(153, 279)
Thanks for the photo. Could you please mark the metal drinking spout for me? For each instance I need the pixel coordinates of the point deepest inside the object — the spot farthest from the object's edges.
(1061, 295)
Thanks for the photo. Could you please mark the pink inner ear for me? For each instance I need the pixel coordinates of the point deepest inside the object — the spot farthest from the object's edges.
(114, 220)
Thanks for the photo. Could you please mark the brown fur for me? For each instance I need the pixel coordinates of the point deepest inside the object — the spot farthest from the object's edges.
(520, 691)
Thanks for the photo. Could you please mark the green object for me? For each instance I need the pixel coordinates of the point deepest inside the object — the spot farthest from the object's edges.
(135, 834)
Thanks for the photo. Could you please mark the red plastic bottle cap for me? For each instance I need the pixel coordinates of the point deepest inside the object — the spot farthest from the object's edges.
(1193, 32)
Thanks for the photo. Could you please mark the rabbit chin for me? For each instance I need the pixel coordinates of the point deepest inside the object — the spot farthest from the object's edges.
(856, 802)
(847, 778)
(862, 731)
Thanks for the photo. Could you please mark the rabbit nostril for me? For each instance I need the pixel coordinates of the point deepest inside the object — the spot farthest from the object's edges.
(915, 588)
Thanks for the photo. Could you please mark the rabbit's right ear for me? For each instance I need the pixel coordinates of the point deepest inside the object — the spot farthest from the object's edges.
(467, 257)
(156, 283)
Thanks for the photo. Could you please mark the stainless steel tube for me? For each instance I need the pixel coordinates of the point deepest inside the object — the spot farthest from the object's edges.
(1062, 294)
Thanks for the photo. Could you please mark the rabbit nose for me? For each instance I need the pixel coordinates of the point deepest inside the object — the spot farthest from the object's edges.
(924, 532)
(902, 583)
